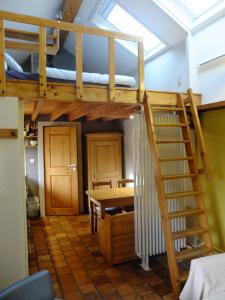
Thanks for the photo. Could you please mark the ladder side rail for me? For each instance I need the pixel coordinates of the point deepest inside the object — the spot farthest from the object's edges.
(203, 220)
(199, 134)
(174, 272)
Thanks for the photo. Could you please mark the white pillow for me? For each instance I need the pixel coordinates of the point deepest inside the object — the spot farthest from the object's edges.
(6, 67)
(12, 64)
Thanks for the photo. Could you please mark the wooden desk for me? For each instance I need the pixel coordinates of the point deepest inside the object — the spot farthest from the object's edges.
(115, 197)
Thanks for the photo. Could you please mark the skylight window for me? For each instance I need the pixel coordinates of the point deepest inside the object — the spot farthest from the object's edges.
(198, 8)
(192, 14)
(114, 17)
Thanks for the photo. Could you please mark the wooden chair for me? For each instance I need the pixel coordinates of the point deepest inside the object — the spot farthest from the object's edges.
(95, 185)
(123, 182)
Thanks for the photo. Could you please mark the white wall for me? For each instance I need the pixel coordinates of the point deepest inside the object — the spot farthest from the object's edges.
(128, 129)
(13, 233)
(169, 71)
(206, 45)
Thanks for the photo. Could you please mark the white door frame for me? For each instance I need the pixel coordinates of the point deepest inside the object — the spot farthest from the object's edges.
(41, 176)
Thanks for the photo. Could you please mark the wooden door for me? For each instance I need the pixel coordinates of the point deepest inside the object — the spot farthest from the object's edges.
(104, 158)
(61, 179)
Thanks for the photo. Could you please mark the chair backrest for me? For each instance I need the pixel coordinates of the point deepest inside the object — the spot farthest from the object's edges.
(37, 286)
(96, 184)
(123, 182)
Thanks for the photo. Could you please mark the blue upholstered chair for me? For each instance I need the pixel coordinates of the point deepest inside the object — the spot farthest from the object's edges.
(34, 287)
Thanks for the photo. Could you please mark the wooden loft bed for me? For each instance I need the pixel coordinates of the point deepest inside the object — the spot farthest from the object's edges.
(75, 99)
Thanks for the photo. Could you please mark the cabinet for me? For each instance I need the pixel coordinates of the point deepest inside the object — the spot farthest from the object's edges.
(116, 238)
(104, 157)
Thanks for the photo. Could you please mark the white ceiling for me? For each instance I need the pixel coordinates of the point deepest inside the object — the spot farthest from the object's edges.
(95, 49)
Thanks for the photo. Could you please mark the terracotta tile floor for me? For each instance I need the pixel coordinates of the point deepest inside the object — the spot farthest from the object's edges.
(65, 247)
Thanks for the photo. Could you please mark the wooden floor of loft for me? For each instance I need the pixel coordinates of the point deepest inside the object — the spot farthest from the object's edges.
(66, 248)
(93, 110)
(73, 111)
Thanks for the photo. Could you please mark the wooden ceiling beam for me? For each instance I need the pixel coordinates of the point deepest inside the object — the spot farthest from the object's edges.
(37, 109)
(62, 109)
(70, 10)
(113, 111)
(82, 111)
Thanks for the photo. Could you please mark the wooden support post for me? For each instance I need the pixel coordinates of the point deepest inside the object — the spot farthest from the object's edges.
(111, 59)
(8, 133)
(2, 59)
(141, 70)
(79, 66)
(42, 61)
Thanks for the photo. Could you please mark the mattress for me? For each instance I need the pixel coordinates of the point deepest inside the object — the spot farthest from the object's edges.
(60, 75)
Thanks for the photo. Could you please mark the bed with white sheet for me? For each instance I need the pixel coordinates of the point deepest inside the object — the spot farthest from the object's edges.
(67, 76)
(206, 280)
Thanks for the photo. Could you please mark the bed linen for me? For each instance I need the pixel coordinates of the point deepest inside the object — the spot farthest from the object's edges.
(206, 279)
(60, 75)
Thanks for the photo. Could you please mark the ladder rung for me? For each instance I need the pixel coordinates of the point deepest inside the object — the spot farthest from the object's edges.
(170, 125)
(185, 213)
(172, 141)
(166, 108)
(190, 253)
(183, 275)
(188, 232)
(182, 194)
(163, 159)
(179, 176)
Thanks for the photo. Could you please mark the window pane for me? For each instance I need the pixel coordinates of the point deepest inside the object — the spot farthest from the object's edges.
(124, 22)
(198, 7)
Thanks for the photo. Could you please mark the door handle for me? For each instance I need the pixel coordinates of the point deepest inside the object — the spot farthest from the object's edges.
(73, 166)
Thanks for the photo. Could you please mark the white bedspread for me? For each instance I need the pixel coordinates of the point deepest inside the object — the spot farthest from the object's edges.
(89, 77)
(206, 278)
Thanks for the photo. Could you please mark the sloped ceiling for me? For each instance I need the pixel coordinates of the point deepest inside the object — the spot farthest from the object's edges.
(147, 12)
(96, 49)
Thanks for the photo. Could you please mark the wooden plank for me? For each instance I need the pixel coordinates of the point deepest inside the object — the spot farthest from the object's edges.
(80, 112)
(29, 36)
(62, 92)
(62, 109)
(199, 135)
(42, 61)
(2, 59)
(210, 106)
(141, 65)
(52, 50)
(66, 26)
(79, 66)
(37, 109)
(8, 133)
(168, 98)
(111, 63)
(70, 10)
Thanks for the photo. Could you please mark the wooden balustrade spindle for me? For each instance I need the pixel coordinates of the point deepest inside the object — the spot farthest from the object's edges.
(79, 66)
(2, 59)
(111, 59)
(42, 61)
(141, 71)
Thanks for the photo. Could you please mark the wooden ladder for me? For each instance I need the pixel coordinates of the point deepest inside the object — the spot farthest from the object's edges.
(198, 212)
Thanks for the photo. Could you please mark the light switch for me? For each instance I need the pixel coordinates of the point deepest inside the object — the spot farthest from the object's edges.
(32, 160)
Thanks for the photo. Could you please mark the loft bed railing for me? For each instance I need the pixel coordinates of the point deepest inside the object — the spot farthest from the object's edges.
(36, 42)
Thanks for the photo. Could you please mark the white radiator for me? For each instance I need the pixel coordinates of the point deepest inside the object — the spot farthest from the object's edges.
(149, 238)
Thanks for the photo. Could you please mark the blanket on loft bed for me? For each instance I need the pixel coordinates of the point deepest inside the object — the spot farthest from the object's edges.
(66, 76)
